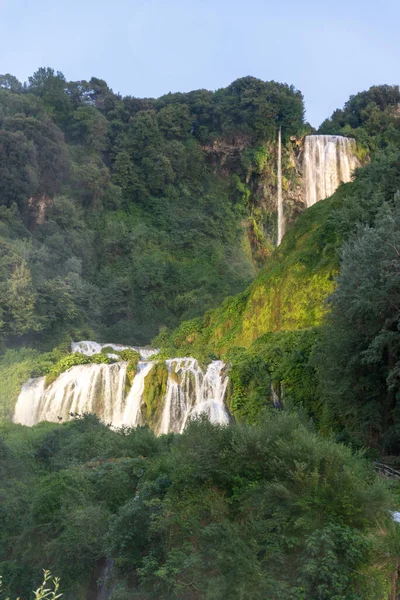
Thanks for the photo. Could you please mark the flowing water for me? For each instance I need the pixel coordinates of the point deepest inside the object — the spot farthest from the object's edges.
(281, 221)
(82, 389)
(191, 392)
(90, 348)
(329, 160)
(104, 389)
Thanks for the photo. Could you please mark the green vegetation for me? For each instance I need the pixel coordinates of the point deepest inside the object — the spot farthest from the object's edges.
(372, 117)
(290, 292)
(270, 509)
(335, 359)
(359, 352)
(155, 387)
(120, 216)
(125, 218)
(133, 358)
(43, 592)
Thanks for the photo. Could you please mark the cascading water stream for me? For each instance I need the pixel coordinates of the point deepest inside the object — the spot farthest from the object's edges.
(133, 402)
(281, 222)
(329, 160)
(104, 389)
(89, 348)
(190, 392)
(82, 389)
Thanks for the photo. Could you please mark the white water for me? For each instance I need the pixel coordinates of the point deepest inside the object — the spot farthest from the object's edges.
(329, 160)
(133, 403)
(191, 392)
(89, 348)
(82, 389)
(104, 390)
(281, 221)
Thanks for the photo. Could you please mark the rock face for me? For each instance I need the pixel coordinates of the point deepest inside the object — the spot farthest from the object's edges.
(312, 168)
(253, 171)
(37, 207)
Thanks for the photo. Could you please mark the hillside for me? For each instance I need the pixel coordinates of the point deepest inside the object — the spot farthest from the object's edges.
(122, 218)
(120, 215)
(271, 334)
(290, 291)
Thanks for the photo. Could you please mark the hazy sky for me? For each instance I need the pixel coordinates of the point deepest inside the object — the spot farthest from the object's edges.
(328, 49)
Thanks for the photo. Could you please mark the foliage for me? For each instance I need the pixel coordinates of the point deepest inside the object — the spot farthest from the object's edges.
(288, 294)
(155, 387)
(269, 333)
(269, 511)
(370, 116)
(277, 369)
(72, 360)
(43, 592)
(133, 358)
(118, 216)
(358, 357)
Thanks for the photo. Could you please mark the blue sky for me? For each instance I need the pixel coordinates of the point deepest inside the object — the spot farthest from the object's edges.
(327, 49)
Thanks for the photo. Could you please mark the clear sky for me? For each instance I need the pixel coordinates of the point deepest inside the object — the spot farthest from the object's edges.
(329, 49)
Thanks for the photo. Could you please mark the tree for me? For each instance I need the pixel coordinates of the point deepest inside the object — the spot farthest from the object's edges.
(9, 82)
(360, 352)
(91, 127)
(21, 300)
(51, 87)
(50, 150)
(19, 169)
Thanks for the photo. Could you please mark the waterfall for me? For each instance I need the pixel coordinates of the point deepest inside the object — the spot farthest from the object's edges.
(104, 389)
(328, 161)
(104, 590)
(281, 221)
(276, 396)
(94, 388)
(26, 410)
(190, 393)
(90, 348)
(133, 403)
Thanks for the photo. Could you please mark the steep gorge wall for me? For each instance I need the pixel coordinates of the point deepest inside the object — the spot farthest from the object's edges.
(253, 174)
(312, 168)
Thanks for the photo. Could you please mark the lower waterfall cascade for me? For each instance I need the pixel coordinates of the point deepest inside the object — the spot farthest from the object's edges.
(104, 389)
(328, 161)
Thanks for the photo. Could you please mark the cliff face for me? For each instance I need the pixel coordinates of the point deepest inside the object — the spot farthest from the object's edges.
(252, 171)
(290, 291)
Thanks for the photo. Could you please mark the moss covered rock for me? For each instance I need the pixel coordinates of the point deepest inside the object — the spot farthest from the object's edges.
(155, 388)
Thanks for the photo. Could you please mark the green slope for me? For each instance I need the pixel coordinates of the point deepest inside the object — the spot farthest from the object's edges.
(289, 293)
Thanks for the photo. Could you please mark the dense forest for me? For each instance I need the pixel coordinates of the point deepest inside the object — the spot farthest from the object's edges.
(191, 516)
(126, 219)
(124, 215)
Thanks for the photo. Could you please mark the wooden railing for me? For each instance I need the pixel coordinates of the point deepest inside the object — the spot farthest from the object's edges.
(386, 471)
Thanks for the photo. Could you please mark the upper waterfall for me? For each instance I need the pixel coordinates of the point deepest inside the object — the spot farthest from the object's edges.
(90, 348)
(105, 389)
(329, 160)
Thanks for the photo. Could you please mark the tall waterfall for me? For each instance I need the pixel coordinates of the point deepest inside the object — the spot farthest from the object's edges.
(104, 389)
(281, 222)
(328, 161)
